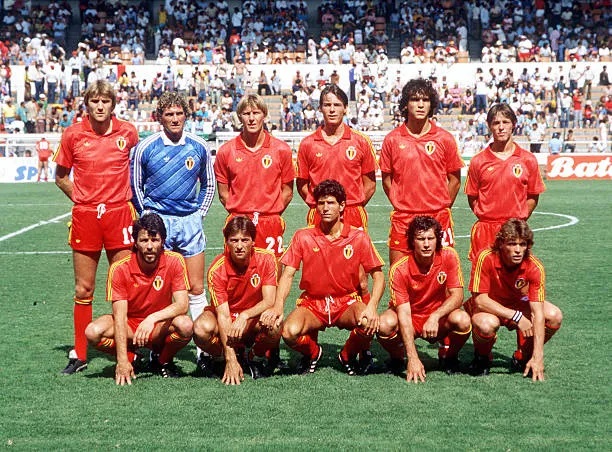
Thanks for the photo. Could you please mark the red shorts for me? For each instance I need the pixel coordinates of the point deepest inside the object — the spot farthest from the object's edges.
(418, 320)
(94, 228)
(508, 323)
(482, 237)
(353, 215)
(401, 220)
(328, 310)
(42, 158)
(270, 230)
(135, 322)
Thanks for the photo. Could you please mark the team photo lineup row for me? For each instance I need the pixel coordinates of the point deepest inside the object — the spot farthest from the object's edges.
(157, 262)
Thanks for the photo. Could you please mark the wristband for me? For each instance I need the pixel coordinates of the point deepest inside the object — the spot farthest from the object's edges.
(518, 315)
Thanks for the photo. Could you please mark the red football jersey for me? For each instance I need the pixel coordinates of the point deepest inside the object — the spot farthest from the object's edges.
(144, 293)
(255, 178)
(419, 168)
(331, 268)
(425, 293)
(345, 161)
(241, 290)
(502, 186)
(100, 163)
(509, 288)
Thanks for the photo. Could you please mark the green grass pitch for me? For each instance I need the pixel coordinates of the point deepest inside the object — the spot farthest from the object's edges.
(41, 410)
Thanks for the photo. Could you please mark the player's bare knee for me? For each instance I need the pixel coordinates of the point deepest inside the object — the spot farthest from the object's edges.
(83, 291)
(197, 289)
(204, 327)
(460, 320)
(93, 333)
(291, 331)
(183, 325)
(553, 315)
(486, 324)
(388, 324)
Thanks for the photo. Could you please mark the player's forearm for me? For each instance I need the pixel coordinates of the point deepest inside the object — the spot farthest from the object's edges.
(224, 323)
(487, 304)
(454, 301)
(538, 330)
(286, 195)
(369, 186)
(207, 190)
(454, 183)
(386, 184)
(179, 306)
(406, 329)
(532, 203)
(378, 288)
(65, 185)
(120, 327)
(302, 188)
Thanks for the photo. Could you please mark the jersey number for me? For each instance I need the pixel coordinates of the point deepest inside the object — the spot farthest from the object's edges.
(275, 243)
(447, 238)
(127, 235)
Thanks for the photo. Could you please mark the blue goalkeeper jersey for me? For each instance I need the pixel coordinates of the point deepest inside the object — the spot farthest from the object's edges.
(165, 175)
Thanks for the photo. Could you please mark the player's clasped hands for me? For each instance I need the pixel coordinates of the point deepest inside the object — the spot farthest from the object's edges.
(271, 318)
(237, 328)
(430, 328)
(370, 321)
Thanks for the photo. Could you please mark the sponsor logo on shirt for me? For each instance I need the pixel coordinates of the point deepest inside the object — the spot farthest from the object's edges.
(348, 251)
(351, 152)
(319, 154)
(517, 170)
(316, 249)
(189, 163)
(430, 147)
(266, 161)
(158, 283)
(441, 278)
(520, 283)
(255, 280)
(239, 159)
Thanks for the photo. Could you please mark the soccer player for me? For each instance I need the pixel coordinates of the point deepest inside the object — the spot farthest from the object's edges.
(43, 149)
(97, 149)
(148, 290)
(426, 296)
(503, 181)
(507, 285)
(332, 253)
(242, 285)
(336, 151)
(167, 167)
(421, 167)
(255, 174)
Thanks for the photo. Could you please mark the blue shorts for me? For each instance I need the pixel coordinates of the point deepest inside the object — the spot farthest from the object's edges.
(185, 234)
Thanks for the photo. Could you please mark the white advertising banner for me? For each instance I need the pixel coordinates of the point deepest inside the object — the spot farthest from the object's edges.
(22, 169)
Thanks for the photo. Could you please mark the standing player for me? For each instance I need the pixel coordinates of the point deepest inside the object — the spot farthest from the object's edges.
(335, 151)
(426, 296)
(242, 285)
(255, 174)
(421, 167)
(148, 290)
(332, 253)
(503, 181)
(167, 167)
(507, 286)
(98, 150)
(43, 149)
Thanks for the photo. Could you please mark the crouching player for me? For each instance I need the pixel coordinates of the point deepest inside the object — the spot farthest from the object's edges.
(507, 286)
(242, 285)
(331, 253)
(426, 295)
(148, 290)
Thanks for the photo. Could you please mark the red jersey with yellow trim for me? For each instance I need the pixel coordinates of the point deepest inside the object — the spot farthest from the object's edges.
(331, 268)
(346, 161)
(502, 186)
(526, 281)
(100, 163)
(145, 293)
(255, 178)
(241, 290)
(419, 168)
(425, 293)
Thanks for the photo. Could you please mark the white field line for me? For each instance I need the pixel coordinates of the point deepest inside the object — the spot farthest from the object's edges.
(34, 226)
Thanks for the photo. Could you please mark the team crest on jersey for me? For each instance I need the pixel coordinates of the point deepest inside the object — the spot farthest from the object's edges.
(517, 170)
(351, 152)
(266, 161)
(441, 278)
(189, 163)
(158, 283)
(520, 283)
(255, 280)
(348, 251)
(121, 143)
(430, 147)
